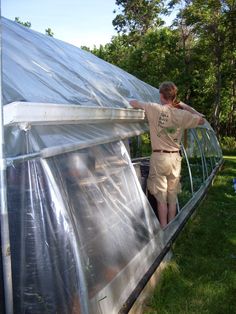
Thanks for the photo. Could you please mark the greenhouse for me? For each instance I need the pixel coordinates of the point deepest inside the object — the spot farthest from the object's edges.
(83, 230)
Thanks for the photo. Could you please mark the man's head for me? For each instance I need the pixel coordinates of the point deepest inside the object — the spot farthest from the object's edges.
(168, 93)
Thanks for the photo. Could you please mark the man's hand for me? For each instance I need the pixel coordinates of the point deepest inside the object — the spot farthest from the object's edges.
(137, 104)
(201, 121)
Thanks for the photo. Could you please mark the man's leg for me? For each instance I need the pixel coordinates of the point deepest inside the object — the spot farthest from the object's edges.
(173, 184)
(171, 211)
(162, 213)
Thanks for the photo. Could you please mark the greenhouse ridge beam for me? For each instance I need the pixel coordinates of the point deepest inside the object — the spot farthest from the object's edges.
(48, 113)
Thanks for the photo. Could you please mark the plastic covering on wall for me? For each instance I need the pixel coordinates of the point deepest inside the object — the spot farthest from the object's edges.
(202, 154)
(2, 308)
(77, 222)
(57, 138)
(40, 68)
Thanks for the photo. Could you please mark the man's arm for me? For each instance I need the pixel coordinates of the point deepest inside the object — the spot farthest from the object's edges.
(188, 120)
(137, 104)
(190, 109)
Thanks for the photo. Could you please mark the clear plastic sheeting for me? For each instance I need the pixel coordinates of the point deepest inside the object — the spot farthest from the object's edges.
(49, 140)
(77, 222)
(202, 155)
(2, 309)
(39, 68)
(195, 158)
(210, 151)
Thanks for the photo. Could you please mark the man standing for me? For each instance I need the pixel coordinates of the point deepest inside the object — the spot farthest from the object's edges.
(166, 123)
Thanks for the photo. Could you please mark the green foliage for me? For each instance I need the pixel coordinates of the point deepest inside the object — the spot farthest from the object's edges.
(211, 25)
(26, 24)
(86, 48)
(228, 144)
(140, 146)
(116, 52)
(137, 16)
(49, 32)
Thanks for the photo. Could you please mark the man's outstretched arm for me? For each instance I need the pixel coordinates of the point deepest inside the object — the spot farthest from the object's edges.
(190, 109)
(137, 104)
(188, 120)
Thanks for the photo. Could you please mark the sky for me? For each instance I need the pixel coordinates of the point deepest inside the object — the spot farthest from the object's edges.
(78, 22)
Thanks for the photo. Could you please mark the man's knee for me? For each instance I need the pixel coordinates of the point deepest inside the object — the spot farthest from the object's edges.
(172, 197)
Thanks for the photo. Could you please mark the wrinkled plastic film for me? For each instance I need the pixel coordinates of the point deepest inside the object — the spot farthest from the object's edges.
(51, 140)
(52, 71)
(82, 220)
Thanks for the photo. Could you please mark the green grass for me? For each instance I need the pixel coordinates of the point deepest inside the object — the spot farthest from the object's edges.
(201, 277)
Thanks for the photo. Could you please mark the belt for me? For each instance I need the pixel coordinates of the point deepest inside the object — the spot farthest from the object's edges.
(165, 151)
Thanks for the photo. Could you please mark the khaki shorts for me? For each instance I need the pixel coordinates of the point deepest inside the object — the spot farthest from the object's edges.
(164, 176)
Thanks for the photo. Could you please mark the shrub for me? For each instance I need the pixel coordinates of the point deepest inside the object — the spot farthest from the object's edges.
(228, 144)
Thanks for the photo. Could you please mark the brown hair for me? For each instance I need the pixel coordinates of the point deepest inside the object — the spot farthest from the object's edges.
(169, 91)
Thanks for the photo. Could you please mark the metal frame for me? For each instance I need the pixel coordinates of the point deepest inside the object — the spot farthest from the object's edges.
(210, 146)
(193, 132)
(189, 169)
(5, 237)
(21, 113)
(214, 144)
(206, 175)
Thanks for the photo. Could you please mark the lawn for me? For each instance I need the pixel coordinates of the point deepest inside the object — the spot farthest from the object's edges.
(201, 277)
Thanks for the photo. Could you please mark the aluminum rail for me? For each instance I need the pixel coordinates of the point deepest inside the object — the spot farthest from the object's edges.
(5, 237)
(50, 113)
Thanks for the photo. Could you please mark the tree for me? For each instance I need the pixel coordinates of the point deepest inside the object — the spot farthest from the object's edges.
(207, 20)
(26, 24)
(49, 32)
(187, 38)
(137, 16)
(116, 52)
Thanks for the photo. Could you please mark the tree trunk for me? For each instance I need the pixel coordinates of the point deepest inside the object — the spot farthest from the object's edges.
(184, 36)
(218, 54)
(231, 127)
